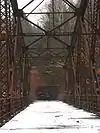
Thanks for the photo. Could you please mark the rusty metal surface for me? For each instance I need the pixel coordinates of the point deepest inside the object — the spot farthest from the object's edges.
(82, 82)
(11, 64)
(83, 63)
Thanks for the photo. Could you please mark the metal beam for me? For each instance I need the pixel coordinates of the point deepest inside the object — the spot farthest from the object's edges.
(34, 24)
(83, 7)
(41, 37)
(44, 57)
(50, 12)
(27, 4)
(35, 8)
(14, 6)
(69, 4)
(56, 34)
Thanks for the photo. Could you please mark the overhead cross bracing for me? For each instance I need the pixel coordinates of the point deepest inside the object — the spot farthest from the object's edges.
(75, 32)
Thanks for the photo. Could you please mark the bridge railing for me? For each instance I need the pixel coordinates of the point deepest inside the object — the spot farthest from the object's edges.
(84, 85)
(12, 66)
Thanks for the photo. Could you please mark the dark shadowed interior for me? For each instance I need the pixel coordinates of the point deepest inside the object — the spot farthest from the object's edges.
(47, 93)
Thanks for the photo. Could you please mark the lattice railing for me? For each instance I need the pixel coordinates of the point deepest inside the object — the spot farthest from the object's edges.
(86, 42)
(11, 63)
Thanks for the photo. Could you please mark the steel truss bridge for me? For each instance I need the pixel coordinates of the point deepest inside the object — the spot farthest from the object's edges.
(81, 64)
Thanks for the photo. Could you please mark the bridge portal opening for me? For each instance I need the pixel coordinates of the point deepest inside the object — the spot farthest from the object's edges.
(47, 93)
(46, 83)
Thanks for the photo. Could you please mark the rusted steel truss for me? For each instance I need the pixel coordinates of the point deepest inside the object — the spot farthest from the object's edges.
(11, 62)
(84, 84)
(79, 57)
(48, 54)
(81, 62)
(51, 33)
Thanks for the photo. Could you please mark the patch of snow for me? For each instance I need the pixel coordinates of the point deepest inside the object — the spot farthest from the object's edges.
(52, 116)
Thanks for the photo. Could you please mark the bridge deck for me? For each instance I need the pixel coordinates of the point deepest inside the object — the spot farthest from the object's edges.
(52, 117)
